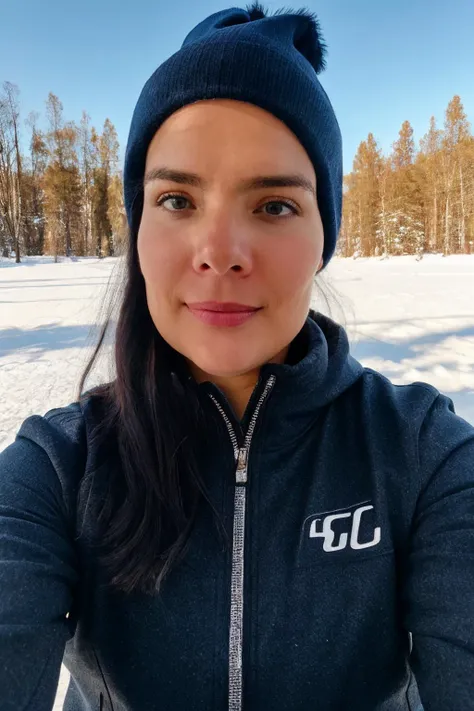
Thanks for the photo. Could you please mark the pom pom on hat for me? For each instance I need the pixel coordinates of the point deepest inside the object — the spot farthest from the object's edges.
(309, 40)
(256, 11)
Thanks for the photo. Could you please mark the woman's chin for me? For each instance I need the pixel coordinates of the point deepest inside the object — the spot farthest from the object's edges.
(226, 365)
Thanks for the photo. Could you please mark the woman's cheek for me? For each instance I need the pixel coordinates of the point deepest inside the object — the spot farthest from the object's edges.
(163, 256)
(296, 261)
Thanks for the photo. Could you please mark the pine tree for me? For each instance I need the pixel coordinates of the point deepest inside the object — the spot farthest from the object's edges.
(467, 193)
(366, 169)
(33, 192)
(88, 160)
(62, 184)
(107, 151)
(455, 139)
(11, 170)
(407, 204)
(429, 164)
(347, 243)
(386, 229)
(404, 148)
(116, 213)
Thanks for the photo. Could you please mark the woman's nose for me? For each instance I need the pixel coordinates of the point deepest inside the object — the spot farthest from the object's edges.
(222, 246)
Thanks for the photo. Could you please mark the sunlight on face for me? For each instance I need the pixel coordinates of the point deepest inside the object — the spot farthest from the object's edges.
(215, 234)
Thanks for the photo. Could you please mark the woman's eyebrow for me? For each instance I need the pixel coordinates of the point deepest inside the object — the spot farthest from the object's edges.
(259, 182)
(174, 176)
(295, 180)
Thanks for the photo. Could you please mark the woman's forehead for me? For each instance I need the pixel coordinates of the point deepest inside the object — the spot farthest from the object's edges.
(207, 110)
(228, 133)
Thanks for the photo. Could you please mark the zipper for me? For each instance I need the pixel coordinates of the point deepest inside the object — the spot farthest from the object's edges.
(241, 456)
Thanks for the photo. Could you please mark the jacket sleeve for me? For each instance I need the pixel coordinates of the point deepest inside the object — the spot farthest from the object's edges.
(439, 581)
(38, 575)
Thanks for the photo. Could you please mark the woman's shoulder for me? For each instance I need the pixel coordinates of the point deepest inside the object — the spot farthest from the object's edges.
(416, 401)
(45, 462)
(68, 438)
(61, 426)
(416, 413)
(413, 396)
(68, 426)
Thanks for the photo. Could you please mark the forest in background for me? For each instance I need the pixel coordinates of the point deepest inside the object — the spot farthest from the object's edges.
(416, 200)
(62, 196)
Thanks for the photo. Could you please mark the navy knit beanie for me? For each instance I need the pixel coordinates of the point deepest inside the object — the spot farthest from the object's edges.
(269, 61)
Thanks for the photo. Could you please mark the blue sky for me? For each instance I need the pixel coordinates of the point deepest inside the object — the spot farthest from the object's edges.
(388, 60)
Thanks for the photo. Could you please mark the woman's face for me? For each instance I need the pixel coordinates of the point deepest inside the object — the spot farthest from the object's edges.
(230, 237)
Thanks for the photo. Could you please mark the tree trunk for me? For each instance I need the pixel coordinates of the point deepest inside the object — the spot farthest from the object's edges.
(16, 209)
(446, 228)
(68, 237)
(19, 186)
(88, 226)
(110, 241)
(462, 230)
(384, 227)
(17, 249)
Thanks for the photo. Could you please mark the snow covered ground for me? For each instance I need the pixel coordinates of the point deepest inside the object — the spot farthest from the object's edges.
(413, 320)
(410, 320)
(47, 317)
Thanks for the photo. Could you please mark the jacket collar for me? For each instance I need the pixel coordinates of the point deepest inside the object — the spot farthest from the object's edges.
(319, 369)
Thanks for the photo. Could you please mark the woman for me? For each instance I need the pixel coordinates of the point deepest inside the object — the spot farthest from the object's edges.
(246, 518)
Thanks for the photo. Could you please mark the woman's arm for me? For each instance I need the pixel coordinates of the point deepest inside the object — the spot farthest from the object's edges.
(438, 591)
(38, 575)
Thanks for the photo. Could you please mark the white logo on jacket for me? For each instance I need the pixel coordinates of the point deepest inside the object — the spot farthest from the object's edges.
(322, 528)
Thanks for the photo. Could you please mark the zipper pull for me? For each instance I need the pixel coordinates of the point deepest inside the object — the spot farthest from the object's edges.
(241, 472)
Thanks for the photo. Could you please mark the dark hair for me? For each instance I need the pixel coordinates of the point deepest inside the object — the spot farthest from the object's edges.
(155, 420)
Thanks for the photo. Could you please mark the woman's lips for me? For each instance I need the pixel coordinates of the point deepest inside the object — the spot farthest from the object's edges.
(215, 313)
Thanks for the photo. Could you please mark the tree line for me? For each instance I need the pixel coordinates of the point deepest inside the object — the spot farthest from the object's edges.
(63, 194)
(413, 201)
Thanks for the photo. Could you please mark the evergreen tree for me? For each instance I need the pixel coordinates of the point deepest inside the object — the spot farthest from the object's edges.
(366, 169)
(407, 215)
(116, 213)
(88, 160)
(33, 192)
(62, 184)
(454, 150)
(11, 170)
(429, 164)
(107, 151)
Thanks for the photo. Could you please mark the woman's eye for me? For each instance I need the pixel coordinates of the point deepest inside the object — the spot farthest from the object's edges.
(276, 208)
(173, 203)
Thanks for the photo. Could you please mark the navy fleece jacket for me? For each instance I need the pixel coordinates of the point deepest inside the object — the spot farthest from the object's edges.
(349, 585)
